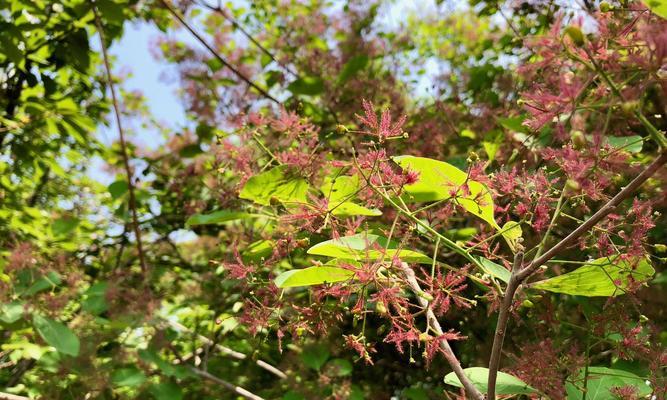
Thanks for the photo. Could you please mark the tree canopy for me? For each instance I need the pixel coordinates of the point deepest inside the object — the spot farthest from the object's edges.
(367, 200)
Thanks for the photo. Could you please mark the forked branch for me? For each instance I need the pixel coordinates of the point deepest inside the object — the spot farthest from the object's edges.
(520, 275)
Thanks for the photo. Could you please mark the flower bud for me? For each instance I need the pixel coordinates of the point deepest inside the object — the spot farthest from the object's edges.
(380, 308)
(660, 248)
(528, 304)
(578, 139)
(572, 186)
(576, 35)
(605, 7)
(424, 337)
(629, 107)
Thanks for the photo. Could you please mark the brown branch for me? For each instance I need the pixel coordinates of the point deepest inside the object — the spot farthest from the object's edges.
(470, 389)
(597, 217)
(8, 396)
(123, 146)
(501, 326)
(230, 386)
(245, 33)
(215, 54)
(519, 276)
(230, 352)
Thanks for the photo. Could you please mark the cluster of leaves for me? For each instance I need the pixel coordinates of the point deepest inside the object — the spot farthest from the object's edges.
(334, 203)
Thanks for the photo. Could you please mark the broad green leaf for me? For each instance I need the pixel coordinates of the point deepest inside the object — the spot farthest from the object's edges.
(308, 85)
(95, 301)
(49, 281)
(631, 144)
(313, 276)
(352, 67)
(512, 233)
(11, 312)
(658, 7)
(366, 246)
(505, 383)
(166, 391)
(600, 382)
(340, 192)
(339, 367)
(495, 270)
(315, 356)
(64, 226)
(275, 184)
(130, 376)
(258, 250)
(513, 124)
(217, 217)
(438, 180)
(118, 188)
(607, 276)
(56, 334)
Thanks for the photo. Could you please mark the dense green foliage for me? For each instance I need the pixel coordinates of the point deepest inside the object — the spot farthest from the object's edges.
(347, 170)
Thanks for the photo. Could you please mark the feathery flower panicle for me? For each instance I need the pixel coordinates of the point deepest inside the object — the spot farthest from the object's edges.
(384, 129)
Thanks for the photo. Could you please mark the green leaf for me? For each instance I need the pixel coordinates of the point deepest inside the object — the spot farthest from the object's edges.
(315, 356)
(631, 144)
(217, 217)
(49, 281)
(308, 85)
(658, 7)
(64, 226)
(366, 246)
(11, 312)
(512, 233)
(313, 276)
(513, 124)
(118, 188)
(600, 382)
(340, 192)
(495, 270)
(111, 11)
(166, 391)
(95, 301)
(437, 181)
(10, 50)
(56, 334)
(352, 67)
(275, 184)
(607, 276)
(131, 376)
(258, 250)
(339, 367)
(505, 383)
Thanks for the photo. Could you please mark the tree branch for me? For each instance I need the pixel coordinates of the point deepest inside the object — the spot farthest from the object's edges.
(121, 135)
(520, 275)
(218, 9)
(230, 352)
(215, 54)
(470, 389)
(8, 396)
(230, 386)
(501, 325)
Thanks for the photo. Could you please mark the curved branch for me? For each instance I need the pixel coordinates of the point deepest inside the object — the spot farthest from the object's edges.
(470, 389)
(215, 54)
(121, 135)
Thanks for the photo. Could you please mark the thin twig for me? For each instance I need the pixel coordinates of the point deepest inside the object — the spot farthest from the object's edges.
(230, 386)
(230, 352)
(218, 9)
(215, 54)
(8, 396)
(433, 322)
(501, 326)
(123, 146)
